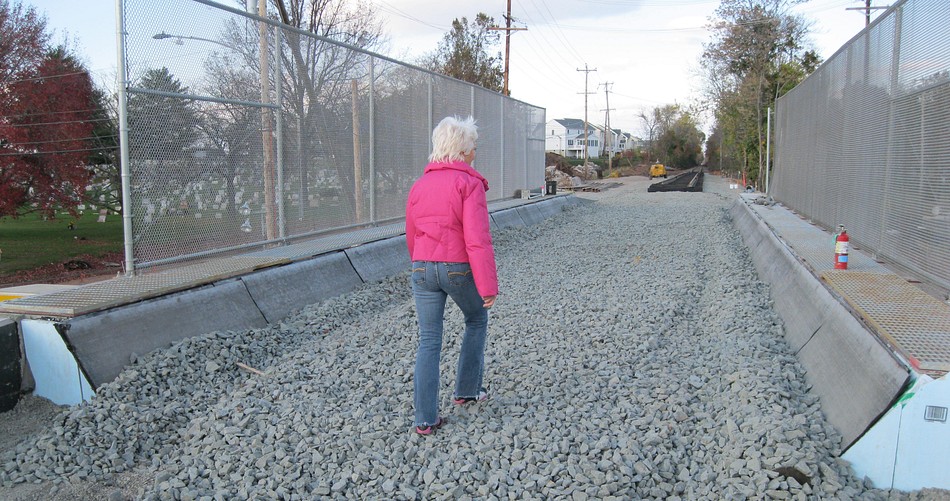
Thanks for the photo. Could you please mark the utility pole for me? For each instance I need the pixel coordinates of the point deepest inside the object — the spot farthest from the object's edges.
(586, 74)
(270, 209)
(507, 29)
(608, 133)
(867, 11)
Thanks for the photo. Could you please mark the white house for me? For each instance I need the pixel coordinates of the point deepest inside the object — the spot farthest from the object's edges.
(634, 142)
(565, 136)
(615, 142)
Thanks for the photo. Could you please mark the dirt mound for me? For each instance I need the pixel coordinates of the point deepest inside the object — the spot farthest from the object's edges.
(76, 269)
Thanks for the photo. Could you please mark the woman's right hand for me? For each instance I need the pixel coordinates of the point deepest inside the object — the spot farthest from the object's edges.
(489, 301)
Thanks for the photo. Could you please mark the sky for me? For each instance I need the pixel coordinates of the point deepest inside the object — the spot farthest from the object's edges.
(646, 53)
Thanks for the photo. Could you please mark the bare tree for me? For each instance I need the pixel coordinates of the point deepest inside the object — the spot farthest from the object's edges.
(328, 83)
(650, 126)
(324, 85)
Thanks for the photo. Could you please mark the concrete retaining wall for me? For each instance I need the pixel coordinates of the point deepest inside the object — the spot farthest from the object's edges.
(10, 377)
(377, 260)
(507, 218)
(280, 291)
(852, 372)
(104, 342)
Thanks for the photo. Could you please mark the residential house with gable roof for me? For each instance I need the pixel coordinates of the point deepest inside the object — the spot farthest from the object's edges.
(565, 136)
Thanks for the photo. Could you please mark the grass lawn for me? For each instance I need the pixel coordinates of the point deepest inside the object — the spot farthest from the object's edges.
(30, 242)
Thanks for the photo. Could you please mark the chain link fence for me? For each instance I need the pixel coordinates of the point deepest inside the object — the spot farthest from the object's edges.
(864, 142)
(243, 132)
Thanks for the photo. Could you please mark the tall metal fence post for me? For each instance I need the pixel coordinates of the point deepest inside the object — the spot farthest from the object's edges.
(122, 83)
(501, 127)
(768, 147)
(372, 141)
(431, 109)
(527, 150)
(281, 219)
(357, 151)
(892, 114)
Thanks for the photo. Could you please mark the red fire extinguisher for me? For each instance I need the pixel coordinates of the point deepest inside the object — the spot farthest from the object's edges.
(841, 248)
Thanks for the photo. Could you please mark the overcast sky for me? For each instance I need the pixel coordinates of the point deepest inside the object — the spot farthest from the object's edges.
(647, 50)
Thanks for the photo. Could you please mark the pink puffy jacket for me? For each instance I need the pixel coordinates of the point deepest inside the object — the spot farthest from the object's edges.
(447, 221)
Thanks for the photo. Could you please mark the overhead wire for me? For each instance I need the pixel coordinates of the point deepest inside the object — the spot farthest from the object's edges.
(387, 7)
(546, 17)
(530, 42)
(46, 77)
(566, 78)
(100, 148)
(58, 123)
(40, 113)
(89, 138)
(557, 29)
(662, 3)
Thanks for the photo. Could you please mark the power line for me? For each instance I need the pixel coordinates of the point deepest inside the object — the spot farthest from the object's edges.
(91, 138)
(663, 3)
(20, 154)
(548, 43)
(561, 83)
(394, 10)
(89, 110)
(558, 32)
(59, 123)
(637, 98)
(46, 77)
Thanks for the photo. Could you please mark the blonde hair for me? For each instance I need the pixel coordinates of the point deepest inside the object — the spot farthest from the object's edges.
(453, 137)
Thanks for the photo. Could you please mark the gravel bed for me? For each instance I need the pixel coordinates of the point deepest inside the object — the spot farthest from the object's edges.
(633, 353)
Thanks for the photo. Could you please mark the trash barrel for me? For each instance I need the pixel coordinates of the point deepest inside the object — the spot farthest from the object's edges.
(552, 188)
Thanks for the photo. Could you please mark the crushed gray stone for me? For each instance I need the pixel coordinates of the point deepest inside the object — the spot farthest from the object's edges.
(633, 353)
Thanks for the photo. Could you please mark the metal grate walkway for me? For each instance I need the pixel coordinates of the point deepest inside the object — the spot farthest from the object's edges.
(901, 313)
(913, 322)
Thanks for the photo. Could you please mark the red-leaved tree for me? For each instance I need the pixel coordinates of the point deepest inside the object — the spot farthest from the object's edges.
(45, 135)
(23, 40)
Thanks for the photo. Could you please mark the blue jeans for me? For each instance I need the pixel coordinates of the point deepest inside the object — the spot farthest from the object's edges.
(432, 283)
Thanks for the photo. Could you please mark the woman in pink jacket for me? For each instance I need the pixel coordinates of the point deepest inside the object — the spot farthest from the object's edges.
(450, 246)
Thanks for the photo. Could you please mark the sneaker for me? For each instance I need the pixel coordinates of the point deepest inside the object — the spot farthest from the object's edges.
(482, 396)
(430, 429)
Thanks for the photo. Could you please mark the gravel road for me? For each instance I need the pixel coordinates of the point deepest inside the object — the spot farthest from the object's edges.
(633, 353)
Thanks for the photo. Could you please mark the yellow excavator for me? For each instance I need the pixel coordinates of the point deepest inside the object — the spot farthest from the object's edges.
(657, 170)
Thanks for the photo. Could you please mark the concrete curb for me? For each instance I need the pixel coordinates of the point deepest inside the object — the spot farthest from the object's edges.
(854, 375)
(104, 342)
(380, 259)
(507, 218)
(282, 290)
